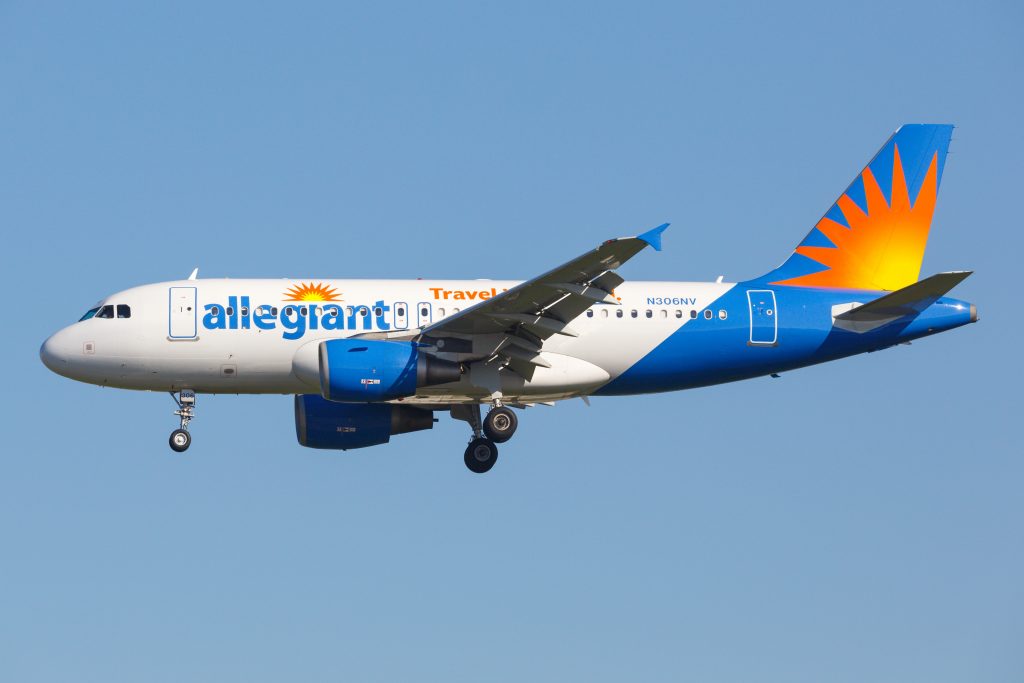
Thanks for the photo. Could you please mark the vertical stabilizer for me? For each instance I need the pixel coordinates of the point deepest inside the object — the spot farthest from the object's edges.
(875, 234)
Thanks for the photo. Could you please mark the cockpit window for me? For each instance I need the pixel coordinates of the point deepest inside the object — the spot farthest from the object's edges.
(124, 311)
(106, 312)
(88, 314)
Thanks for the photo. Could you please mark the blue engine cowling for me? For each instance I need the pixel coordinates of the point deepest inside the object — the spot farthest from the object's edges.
(362, 371)
(324, 424)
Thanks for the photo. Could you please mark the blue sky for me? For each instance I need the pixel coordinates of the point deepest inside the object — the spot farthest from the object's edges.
(855, 521)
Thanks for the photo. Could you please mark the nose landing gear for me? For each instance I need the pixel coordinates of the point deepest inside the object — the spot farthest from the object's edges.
(180, 438)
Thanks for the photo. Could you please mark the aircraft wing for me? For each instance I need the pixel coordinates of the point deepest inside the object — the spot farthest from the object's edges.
(537, 309)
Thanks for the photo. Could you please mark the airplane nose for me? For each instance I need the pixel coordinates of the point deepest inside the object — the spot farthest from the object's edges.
(54, 355)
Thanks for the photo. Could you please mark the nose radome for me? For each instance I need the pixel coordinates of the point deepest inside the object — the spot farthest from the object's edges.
(54, 353)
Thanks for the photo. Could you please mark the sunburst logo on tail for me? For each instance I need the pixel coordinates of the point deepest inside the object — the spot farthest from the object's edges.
(883, 246)
(312, 292)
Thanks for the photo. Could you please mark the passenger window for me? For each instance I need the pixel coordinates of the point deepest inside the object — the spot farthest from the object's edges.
(590, 313)
(424, 312)
(88, 314)
(288, 310)
(454, 310)
(231, 311)
(349, 311)
(604, 312)
(664, 313)
(273, 310)
(364, 311)
(303, 311)
(722, 314)
(650, 313)
(106, 312)
(679, 313)
(633, 313)
(378, 311)
(708, 315)
(693, 314)
(124, 311)
(400, 311)
(440, 313)
(245, 311)
(618, 313)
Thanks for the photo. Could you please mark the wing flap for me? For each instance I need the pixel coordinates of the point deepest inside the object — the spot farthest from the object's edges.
(608, 282)
(538, 323)
(510, 351)
(590, 292)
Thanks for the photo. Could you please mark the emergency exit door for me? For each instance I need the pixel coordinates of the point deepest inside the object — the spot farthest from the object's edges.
(424, 313)
(182, 314)
(401, 315)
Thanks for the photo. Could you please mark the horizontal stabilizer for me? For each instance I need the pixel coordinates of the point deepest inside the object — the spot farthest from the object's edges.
(909, 301)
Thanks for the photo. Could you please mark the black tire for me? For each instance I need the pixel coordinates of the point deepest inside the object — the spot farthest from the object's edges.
(180, 440)
(481, 454)
(500, 424)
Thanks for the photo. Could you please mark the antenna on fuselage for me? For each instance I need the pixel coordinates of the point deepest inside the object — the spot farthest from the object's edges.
(195, 273)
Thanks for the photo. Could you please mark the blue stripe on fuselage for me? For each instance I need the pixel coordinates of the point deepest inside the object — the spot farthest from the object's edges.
(704, 352)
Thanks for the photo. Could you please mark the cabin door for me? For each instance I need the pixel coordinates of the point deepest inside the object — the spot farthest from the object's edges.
(764, 317)
(182, 316)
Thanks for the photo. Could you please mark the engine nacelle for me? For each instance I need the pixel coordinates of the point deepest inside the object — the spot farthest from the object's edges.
(324, 424)
(361, 371)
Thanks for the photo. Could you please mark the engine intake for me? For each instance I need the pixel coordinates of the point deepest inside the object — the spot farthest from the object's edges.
(323, 424)
(361, 371)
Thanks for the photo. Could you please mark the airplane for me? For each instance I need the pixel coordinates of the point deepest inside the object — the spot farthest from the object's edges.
(370, 359)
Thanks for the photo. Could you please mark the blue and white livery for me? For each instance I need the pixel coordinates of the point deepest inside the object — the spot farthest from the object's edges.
(369, 359)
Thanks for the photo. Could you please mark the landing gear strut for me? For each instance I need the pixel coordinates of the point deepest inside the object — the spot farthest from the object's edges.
(481, 454)
(180, 438)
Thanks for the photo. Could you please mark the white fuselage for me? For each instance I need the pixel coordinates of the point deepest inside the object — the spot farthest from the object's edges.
(246, 336)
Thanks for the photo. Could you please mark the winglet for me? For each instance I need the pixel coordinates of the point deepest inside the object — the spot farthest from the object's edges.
(653, 237)
(194, 275)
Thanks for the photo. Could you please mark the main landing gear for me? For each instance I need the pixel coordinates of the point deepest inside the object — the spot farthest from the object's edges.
(180, 438)
(500, 424)
(498, 427)
(481, 454)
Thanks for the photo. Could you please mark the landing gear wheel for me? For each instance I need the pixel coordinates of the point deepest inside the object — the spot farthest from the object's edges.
(481, 454)
(500, 424)
(180, 440)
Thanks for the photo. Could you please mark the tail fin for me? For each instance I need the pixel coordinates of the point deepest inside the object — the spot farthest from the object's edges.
(874, 236)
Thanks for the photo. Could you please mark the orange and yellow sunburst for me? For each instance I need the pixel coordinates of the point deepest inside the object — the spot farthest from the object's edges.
(883, 247)
(309, 292)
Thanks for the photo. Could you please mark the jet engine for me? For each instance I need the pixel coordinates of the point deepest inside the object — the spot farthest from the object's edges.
(362, 371)
(324, 424)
